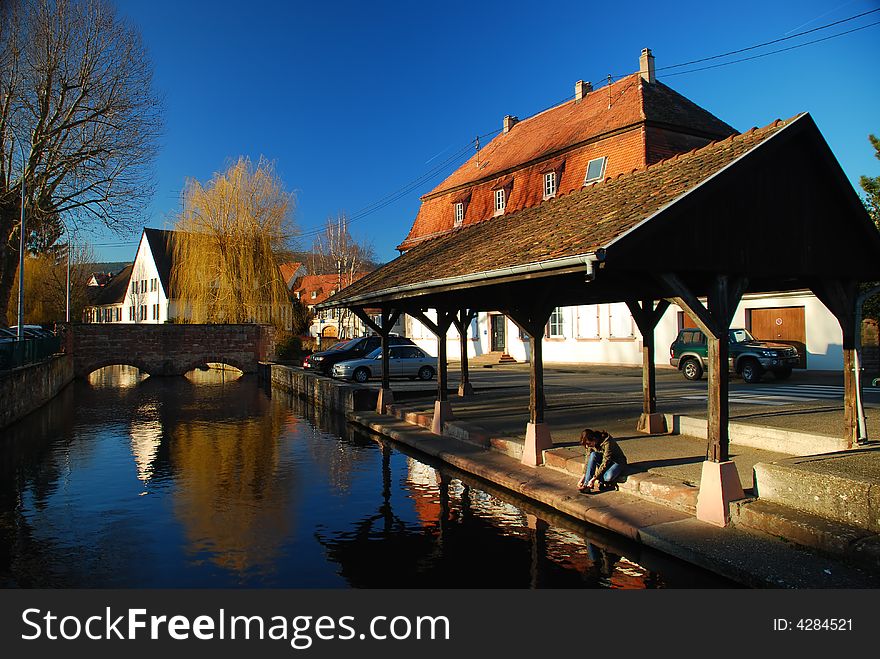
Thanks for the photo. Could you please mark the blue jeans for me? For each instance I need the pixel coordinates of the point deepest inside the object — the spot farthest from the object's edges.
(611, 474)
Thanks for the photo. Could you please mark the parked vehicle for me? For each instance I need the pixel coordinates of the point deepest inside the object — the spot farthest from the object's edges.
(749, 357)
(33, 331)
(404, 361)
(323, 361)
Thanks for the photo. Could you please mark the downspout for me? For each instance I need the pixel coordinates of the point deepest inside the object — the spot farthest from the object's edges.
(860, 409)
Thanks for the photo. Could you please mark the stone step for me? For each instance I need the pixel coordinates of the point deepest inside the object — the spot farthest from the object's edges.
(653, 487)
(852, 544)
(460, 430)
(817, 486)
(491, 359)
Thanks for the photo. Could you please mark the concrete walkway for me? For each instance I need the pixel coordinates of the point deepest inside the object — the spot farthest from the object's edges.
(798, 546)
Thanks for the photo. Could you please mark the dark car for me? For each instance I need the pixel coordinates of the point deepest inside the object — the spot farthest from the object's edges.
(323, 361)
(749, 357)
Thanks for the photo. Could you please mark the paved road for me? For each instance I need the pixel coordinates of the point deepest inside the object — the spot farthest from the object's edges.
(808, 401)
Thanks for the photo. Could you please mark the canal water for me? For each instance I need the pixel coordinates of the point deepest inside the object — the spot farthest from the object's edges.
(128, 481)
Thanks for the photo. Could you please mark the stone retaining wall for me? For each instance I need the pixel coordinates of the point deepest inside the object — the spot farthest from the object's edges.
(325, 394)
(25, 389)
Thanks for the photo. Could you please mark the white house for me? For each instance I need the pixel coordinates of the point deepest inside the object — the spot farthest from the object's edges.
(607, 334)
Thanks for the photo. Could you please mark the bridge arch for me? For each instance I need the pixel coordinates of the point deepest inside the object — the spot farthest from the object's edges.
(169, 349)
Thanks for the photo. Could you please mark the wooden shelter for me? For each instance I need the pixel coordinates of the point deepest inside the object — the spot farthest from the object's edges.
(767, 210)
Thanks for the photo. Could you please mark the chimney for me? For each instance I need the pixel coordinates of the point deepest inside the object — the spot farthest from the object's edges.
(646, 65)
(581, 89)
(509, 121)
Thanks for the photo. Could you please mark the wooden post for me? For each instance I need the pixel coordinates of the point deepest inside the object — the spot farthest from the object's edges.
(840, 298)
(442, 409)
(383, 329)
(536, 380)
(462, 321)
(442, 368)
(647, 317)
(532, 320)
(719, 481)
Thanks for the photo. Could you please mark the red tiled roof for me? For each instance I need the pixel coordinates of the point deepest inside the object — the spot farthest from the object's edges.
(624, 105)
(570, 225)
(321, 285)
(288, 271)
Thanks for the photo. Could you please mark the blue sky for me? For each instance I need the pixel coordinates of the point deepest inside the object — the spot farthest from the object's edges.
(354, 100)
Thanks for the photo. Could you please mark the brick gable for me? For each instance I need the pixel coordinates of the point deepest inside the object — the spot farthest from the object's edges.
(632, 123)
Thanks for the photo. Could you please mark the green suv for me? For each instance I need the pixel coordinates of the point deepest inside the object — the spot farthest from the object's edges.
(749, 357)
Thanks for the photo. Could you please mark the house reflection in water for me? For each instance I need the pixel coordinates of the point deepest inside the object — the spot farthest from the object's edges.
(446, 533)
(231, 494)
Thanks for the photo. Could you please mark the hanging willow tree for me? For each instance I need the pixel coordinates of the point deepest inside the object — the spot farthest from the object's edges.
(230, 236)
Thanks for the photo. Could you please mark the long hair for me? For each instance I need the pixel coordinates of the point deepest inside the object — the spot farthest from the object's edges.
(590, 437)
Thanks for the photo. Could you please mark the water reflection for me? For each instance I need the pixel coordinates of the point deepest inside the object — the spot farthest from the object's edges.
(128, 481)
(214, 373)
(118, 376)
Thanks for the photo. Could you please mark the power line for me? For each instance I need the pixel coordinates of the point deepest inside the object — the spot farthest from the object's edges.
(774, 52)
(615, 78)
(770, 43)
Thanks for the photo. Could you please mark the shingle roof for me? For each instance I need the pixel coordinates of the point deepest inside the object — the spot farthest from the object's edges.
(160, 242)
(572, 225)
(632, 101)
(114, 292)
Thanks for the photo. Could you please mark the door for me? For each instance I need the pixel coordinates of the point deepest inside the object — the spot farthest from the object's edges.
(499, 340)
(685, 321)
(396, 361)
(782, 325)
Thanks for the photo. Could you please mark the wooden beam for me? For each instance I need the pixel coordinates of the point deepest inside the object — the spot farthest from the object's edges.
(366, 320)
(683, 297)
(725, 293)
(438, 329)
(462, 321)
(532, 320)
(647, 317)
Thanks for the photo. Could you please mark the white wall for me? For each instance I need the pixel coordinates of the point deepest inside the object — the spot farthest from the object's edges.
(606, 334)
(144, 268)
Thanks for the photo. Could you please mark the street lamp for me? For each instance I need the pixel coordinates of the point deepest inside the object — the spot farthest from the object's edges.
(67, 291)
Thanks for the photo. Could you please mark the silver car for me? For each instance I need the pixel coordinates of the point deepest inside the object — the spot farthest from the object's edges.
(403, 362)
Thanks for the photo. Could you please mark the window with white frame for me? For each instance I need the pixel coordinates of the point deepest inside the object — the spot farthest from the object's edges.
(314, 294)
(549, 185)
(620, 322)
(595, 169)
(459, 213)
(556, 326)
(588, 322)
(499, 201)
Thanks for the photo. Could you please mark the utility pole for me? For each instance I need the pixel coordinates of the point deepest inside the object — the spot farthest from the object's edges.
(21, 246)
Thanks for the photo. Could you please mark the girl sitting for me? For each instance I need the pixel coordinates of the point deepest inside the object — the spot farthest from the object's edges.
(605, 461)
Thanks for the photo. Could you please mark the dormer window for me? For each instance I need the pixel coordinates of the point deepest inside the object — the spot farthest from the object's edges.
(595, 170)
(549, 185)
(314, 294)
(500, 199)
(459, 213)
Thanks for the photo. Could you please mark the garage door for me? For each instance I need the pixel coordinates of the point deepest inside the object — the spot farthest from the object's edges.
(782, 325)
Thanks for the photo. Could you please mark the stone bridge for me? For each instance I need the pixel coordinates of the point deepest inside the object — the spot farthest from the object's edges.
(168, 349)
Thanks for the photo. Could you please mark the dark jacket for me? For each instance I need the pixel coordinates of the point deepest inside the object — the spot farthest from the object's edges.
(611, 454)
